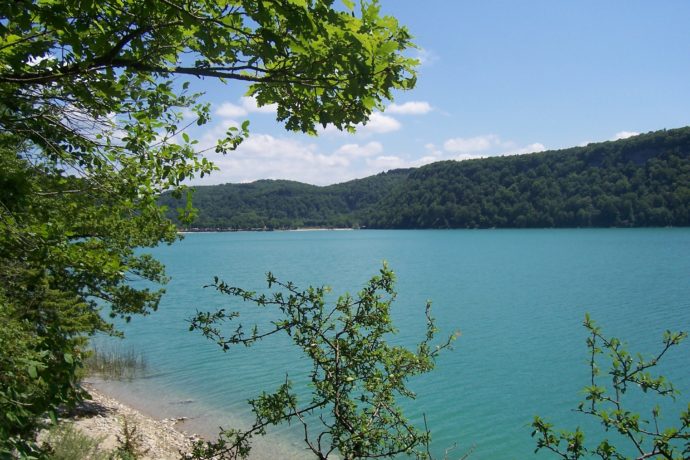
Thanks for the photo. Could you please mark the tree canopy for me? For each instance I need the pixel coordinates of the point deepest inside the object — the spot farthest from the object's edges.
(275, 204)
(91, 95)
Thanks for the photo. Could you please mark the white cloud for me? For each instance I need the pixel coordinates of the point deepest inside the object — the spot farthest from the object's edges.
(263, 156)
(471, 144)
(356, 150)
(247, 105)
(304, 159)
(250, 105)
(379, 124)
(531, 148)
(410, 108)
(386, 162)
(331, 130)
(624, 135)
(230, 110)
(188, 114)
(488, 145)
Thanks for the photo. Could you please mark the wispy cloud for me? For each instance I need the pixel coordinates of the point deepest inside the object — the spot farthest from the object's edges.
(357, 150)
(379, 124)
(410, 108)
(530, 148)
(230, 110)
(246, 105)
(263, 156)
(266, 156)
(386, 162)
(488, 145)
(471, 144)
(250, 104)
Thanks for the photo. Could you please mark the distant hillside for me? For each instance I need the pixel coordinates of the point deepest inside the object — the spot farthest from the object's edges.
(276, 204)
(636, 182)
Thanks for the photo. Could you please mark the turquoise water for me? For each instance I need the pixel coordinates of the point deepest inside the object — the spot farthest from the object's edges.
(517, 296)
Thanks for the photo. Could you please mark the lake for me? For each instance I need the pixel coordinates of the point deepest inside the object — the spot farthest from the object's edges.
(518, 297)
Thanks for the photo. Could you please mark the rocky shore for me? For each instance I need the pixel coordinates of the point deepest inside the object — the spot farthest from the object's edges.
(103, 417)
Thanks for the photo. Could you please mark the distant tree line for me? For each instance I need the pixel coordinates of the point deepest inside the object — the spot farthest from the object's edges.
(637, 182)
(280, 204)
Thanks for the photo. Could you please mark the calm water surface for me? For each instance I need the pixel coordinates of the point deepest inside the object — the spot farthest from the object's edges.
(517, 296)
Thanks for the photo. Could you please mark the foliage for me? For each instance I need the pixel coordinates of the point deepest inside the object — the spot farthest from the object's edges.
(39, 355)
(608, 403)
(636, 182)
(276, 204)
(66, 442)
(130, 443)
(63, 256)
(91, 96)
(321, 64)
(356, 377)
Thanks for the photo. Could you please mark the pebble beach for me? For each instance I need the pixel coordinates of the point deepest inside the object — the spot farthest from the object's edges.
(102, 417)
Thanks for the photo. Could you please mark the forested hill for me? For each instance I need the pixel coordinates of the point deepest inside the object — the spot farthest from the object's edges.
(640, 181)
(275, 204)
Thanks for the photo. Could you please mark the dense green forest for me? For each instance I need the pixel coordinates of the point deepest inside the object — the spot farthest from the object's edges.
(635, 182)
(275, 204)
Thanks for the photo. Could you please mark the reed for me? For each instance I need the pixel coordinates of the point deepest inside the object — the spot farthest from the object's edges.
(115, 363)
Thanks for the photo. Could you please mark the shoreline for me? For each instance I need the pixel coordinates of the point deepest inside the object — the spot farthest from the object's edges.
(101, 417)
(265, 230)
(169, 427)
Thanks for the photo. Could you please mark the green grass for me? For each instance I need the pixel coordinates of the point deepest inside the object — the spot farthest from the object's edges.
(115, 363)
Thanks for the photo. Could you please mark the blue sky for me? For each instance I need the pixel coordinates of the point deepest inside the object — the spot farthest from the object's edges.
(497, 77)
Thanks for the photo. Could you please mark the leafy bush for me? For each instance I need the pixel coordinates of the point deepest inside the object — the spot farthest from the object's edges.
(607, 401)
(357, 377)
(66, 442)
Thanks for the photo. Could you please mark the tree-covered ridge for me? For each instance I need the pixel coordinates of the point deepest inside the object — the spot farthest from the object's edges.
(642, 181)
(278, 204)
(636, 182)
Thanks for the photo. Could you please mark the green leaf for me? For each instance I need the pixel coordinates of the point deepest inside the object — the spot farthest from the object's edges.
(387, 48)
